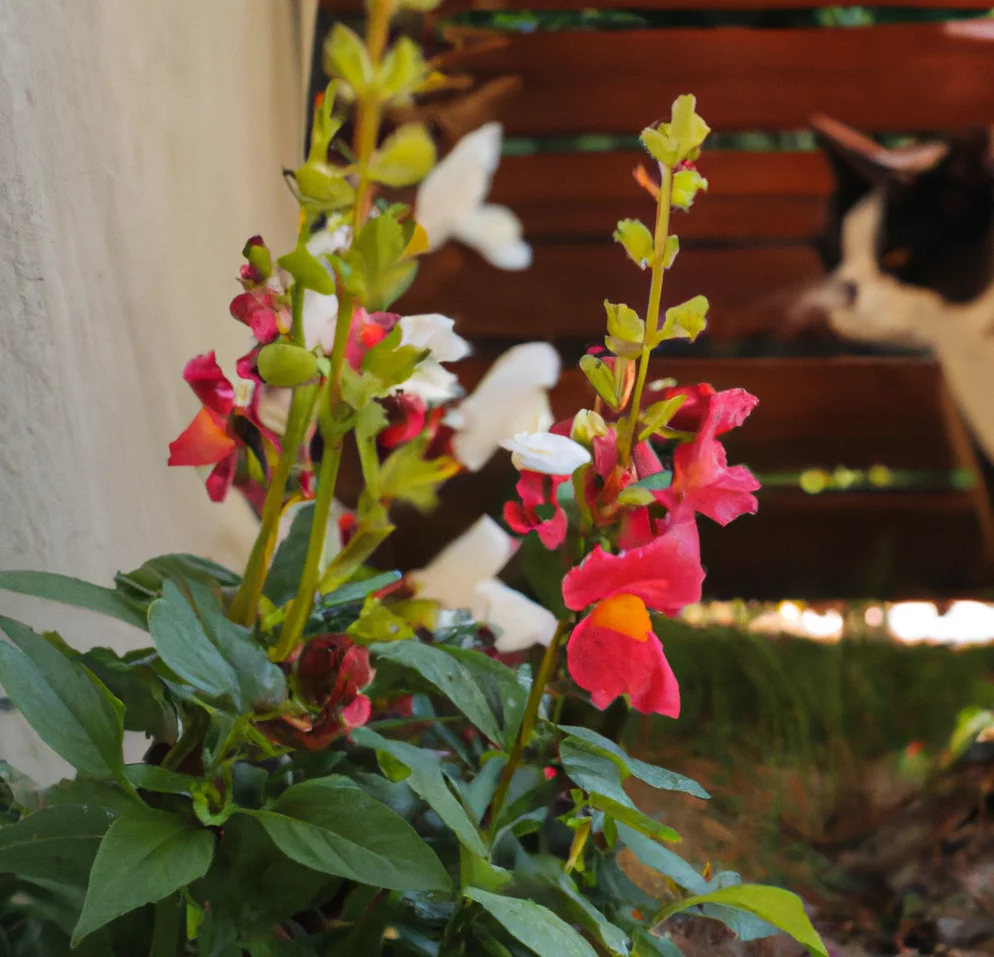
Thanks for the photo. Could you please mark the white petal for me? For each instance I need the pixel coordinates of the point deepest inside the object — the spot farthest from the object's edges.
(459, 184)
(511, 398)
(320, 318)
(495, 233)
(432, 383)
(434, 331)
(518, 621)
(546, 453)
(274, 408)
(452, 576)
(329, 241)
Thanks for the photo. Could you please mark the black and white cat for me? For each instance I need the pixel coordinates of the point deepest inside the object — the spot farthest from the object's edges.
(910, 254)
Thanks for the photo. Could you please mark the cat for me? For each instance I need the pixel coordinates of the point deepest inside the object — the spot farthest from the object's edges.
(909, 251)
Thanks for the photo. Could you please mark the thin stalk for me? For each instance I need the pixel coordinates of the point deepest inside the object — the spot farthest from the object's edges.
(246, 601)
(331, 459)
(550, 662)
(652, 312)
(369, 109)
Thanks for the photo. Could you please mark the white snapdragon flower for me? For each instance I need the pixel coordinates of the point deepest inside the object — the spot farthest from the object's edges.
(546, 453)
(511, 398)
(430, 380)
(450, 202)
(464, 576)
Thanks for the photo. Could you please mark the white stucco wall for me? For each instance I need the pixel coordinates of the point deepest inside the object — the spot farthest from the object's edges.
(141, 143)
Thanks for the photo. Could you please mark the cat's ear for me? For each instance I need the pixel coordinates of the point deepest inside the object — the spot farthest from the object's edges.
(859, 163)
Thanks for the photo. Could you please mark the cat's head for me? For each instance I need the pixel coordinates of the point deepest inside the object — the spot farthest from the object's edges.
(910, 233)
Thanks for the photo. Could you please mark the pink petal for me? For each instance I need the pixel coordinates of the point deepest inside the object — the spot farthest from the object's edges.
(221, 477)
(355, 666)
(609, 664)
(666, 574)
(531, 489)
(646, 461)
(357, 712)
(553, 532)
(209, 383)
(606, 453)
(518, 520)
(203, 442)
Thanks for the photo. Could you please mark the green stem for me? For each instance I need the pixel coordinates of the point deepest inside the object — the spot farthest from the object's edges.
(188, 740)
(550, 661)
(652, 313)
(331, 459)
(246, 602)
(369, 109)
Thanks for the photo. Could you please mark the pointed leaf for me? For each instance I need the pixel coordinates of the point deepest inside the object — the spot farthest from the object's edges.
(634, 235)
(75, 592)
(346, 56)
(772, 904)
(405, 157)
(599, 375)
(686, 320)
(73, 713)
(56, 843)
(330, 825)
(449, 676)
(649, 773)
(144, 857)
(535, 926)
(427, 780)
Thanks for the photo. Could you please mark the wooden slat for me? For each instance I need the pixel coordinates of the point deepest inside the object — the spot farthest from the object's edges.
(357, 6)
(884, 78)
(812, 412)
(751, 195)
(561, 296)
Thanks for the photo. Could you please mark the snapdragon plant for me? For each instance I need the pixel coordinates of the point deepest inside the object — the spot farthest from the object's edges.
(341, 759)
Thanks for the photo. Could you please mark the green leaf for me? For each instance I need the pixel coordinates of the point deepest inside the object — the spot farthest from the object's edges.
(330, 825)
(658, 416)
(686, 185)
(144, 857)
(535, 926)
(320, 188)
(377, 623)
(649, 773)
(408, 477)
(661, 145)
(663, 860)
(648, 945)
(626, 814)
(449, 676)
(288, 563)
(56, 843)
(772, 904)
(428, 781)
(346, 56)
(308, 270)
(686, 127)
(286, 365)
(403, 69)
(73, 713)
(686, 320)
(391, 362)
(379, 276)
(405, 157)
(634, 235)
(211, 652)
(358, 590)
(544, 572)
(655, 482)
(150, 777)
(73, 591)
(505, 694)
(600, 376)
(184, 646)
(593, 771)
(626, 331)
(670, 253)
(582, 912)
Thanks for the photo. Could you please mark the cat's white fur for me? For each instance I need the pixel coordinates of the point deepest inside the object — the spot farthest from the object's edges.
(885, 310)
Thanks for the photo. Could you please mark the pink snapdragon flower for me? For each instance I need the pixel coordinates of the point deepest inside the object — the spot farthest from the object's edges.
(538, 491)
(613, 650)
(702, 479)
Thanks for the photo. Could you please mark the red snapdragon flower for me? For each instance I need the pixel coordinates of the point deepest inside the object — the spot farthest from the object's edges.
(264, 311)
(702, 479)
(613, 650)
(331, 673)
(407, 415)
(537, 490)
(220, 429)
(365, 331)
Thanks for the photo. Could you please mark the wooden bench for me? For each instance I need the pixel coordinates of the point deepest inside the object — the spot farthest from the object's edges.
(749, 245)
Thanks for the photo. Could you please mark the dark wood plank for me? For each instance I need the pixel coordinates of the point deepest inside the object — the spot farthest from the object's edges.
(750, 196)
(561, 296)
(357, 6)
(886, 78)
